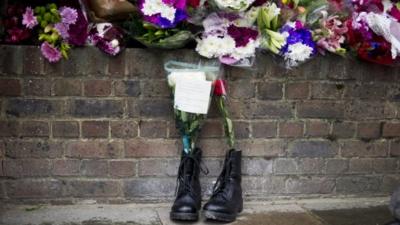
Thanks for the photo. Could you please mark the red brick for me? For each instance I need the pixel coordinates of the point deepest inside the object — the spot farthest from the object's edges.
(241, 129)
(211, 147)
(343, 129)
(32, 61)
(9, 128)
(369, 130)
(63, 87)
(10, 87)
(211, 129)
(130, 88)
(117, 65)
(97, 88)
(291, 129)
(122, 168)
(124, 129)
(34, 188)
(362, 149)
(264, 129)
(261, 147)
(326, 91)
(65, 129)
(94, 168)
(35, 129)
(36, 167)
(153, 129)
(37, 87)
(297, 90)
(153, 167)
(317, 129)
(156, 88)
(136, 148)
(268, 91)
(391, 130)
(94, 149)
(320, 110)
(34, 149)
(395, 148)
(27, 168)
(95, 129)
(67, 167)
(94, 188)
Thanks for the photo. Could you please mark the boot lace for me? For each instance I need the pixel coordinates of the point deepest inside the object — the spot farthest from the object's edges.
(182, 181)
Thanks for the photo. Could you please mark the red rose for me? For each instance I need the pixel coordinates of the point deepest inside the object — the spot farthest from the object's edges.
(220, 87)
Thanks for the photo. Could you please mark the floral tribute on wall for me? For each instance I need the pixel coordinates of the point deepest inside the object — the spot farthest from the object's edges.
(231, 31)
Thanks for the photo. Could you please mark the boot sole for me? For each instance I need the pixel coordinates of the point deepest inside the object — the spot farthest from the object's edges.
(211, 215)
(184, 216)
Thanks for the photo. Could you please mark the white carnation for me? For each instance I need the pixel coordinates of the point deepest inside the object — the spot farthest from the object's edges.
(298, 52)
(152, 7)
(214, 46)
(246, 51)
(238, 5)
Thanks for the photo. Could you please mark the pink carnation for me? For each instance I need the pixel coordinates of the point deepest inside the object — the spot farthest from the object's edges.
(29, 19)
(51, 53)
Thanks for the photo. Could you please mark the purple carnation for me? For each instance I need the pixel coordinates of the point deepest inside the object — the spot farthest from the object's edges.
(242, 35)
(51, 53)
(62, 29)
(298, 34)
(29, 19)
(68, 15)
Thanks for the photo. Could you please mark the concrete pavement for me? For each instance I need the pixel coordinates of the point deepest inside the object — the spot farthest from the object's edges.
(366, 211)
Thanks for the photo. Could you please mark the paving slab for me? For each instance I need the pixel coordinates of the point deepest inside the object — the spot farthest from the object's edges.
(257, 213)
(371, 211)
(379, 215)
(74, 215)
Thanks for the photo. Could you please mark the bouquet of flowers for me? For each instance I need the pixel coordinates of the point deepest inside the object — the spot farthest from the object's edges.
(327, 20)
(161, 24)
(14, 31)
(374, 31)
(293, 41)
(54, 28)
(107, 37)
(191, 85)
(225, 38)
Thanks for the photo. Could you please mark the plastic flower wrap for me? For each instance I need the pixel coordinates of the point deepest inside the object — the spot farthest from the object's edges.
(224, 38)
(107, 37)
(192, 88)
(374, 31)
(54, 28)
(154, 37)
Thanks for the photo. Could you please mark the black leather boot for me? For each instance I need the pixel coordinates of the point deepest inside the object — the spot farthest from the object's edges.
(227, 201)
(188, 195)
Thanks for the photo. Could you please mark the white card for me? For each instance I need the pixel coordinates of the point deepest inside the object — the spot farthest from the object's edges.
(192, 95)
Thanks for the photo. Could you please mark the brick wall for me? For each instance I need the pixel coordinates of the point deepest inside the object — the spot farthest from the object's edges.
(102, 128)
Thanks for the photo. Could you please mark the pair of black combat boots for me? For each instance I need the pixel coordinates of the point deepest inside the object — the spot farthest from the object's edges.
(226, 200)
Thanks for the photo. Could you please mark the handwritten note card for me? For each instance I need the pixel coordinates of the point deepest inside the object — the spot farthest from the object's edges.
(192, 95)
